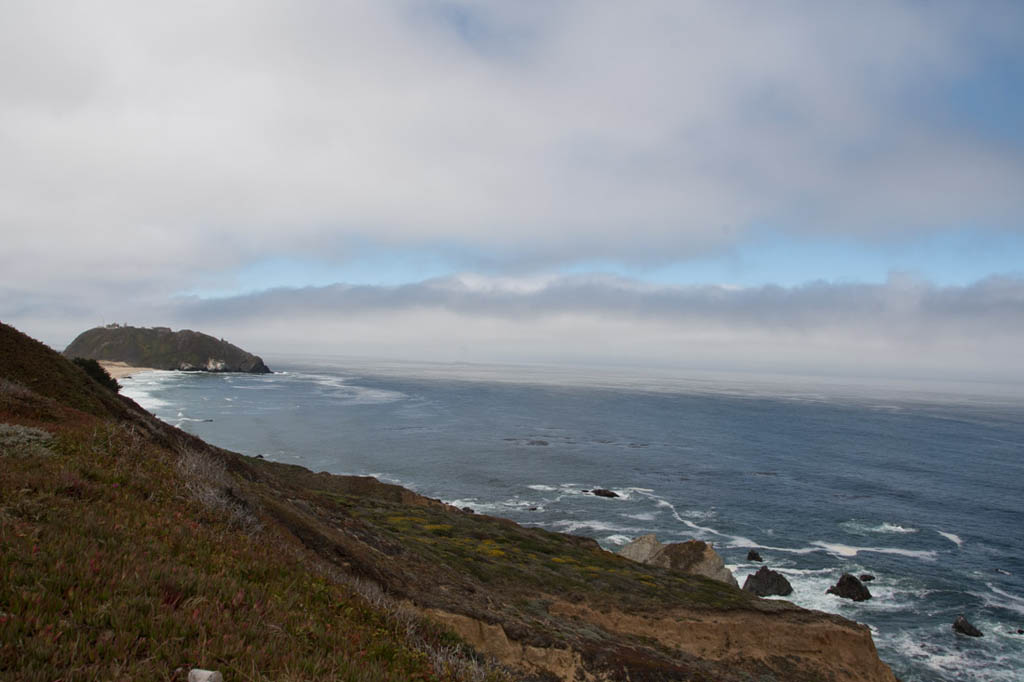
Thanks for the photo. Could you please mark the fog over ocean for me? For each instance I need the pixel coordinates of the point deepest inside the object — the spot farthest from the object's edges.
(921, 485)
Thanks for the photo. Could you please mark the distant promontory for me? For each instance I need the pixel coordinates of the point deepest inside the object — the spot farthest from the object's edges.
(161, 348)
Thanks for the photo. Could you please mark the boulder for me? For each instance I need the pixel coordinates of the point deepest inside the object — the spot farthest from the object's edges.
(964, 627)
(753, 555)
(642, 549)
(199, 675)
(849, 587)
(603, 492)
(866, 577)
(767, 582)
(694, 557)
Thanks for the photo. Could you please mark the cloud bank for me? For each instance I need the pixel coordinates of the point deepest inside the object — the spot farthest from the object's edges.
(903, 327)
(162, 141)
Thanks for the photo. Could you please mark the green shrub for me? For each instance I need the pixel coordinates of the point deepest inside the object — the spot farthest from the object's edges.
(96, 371)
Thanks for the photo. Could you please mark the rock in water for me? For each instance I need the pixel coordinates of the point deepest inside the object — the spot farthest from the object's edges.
(603, 492)
(866, 577)
(693, 556)
(767, 582)
(964, 627)
(849, 587)
(752, 555)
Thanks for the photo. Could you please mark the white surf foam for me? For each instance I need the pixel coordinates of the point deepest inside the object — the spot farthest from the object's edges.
(952, 537)
(541, 487)
(571, 526)
(618, 540)
(647, 516)
(863, 527)
(1003, 599)
(141, 387)
(848, 551)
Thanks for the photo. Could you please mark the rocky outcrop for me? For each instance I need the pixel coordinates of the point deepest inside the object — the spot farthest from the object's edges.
(767, 582)
(779, 641)
(161, 348)
(642, 549)
(729, 646)
(604, 492)
(754, 555)
(849, 587)
(964, 627)
(694, 557)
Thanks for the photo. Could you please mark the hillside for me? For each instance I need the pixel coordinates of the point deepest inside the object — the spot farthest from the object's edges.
(132, 550)
(161, 348)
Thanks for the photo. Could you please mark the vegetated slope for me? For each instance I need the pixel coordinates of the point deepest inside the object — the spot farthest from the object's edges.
(132, 549)
(161, 348)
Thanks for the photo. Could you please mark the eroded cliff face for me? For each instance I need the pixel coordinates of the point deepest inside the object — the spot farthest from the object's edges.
(783, 645)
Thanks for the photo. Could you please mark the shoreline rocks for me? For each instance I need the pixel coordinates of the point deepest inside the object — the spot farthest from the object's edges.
(767, 582)
(753, 555)
(604, 492)
(692, 556)
(963, 626)
(849, 587)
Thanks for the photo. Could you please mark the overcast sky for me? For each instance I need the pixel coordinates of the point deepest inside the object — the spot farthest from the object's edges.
(803, 186)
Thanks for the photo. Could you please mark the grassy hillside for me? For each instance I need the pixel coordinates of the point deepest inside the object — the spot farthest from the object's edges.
(122, 558)
(131, 550)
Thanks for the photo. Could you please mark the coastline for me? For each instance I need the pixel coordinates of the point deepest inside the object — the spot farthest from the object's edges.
(120, 370)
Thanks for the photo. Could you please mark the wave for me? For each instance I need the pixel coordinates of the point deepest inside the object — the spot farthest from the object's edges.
(648, 516)
(1003, 600)
(618, 540)
(571, 526)
(352, 393)
(946, 658)
(860, 527)
(952, 537)
(847, 551)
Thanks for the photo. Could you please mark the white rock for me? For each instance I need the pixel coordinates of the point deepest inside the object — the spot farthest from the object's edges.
(198, 675)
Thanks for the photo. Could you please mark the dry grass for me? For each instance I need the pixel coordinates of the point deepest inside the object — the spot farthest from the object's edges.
(207, 481)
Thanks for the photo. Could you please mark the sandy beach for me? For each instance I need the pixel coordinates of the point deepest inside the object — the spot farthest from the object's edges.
(119, 370)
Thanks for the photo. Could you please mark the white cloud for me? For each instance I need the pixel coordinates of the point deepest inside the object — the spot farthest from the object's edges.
(165, 140)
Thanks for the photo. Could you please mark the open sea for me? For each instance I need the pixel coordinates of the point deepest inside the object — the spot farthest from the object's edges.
(921, 485)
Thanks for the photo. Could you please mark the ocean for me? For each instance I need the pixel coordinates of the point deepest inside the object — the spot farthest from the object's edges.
(921, 485)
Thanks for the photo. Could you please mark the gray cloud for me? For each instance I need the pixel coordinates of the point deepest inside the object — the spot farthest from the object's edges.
(158, 144)
(904, 326)
(903, 303)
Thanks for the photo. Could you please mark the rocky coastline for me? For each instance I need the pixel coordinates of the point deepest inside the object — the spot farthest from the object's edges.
(540, 605)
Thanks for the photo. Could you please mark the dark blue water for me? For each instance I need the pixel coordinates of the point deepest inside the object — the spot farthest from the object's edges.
(925, 490)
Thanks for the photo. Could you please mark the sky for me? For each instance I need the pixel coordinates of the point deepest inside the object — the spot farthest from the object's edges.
(791, 186)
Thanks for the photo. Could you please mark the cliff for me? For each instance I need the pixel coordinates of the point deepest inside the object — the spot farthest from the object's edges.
(161, 348)
(132, 549)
